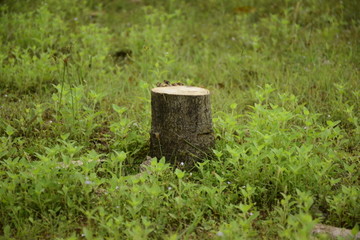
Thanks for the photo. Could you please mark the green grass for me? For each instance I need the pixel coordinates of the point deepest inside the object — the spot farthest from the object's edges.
(75, 81)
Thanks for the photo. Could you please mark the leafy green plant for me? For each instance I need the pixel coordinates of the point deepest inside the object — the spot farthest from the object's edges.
(75, 88)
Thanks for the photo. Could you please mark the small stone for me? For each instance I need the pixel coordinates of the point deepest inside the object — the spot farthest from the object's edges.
(220, 234)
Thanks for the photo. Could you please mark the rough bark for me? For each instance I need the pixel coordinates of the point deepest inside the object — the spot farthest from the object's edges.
(181, 128)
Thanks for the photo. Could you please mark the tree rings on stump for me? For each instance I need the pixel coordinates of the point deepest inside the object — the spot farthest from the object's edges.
(181, 128)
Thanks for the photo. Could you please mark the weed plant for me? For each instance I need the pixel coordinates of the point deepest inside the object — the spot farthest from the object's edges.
(75, 80)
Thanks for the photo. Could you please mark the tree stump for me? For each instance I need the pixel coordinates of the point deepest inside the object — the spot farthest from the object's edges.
(181, 128)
